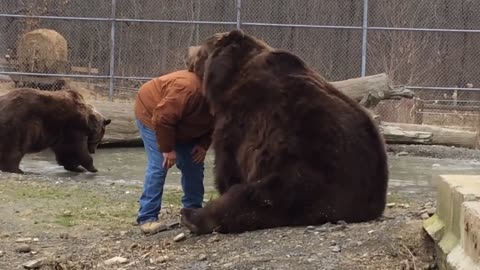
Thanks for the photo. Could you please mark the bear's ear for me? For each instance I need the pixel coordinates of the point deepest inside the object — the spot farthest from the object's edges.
(106, 122)
(220, 70)
(233, 37)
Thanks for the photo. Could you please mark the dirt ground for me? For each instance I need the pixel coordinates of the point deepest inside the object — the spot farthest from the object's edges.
(66, 224)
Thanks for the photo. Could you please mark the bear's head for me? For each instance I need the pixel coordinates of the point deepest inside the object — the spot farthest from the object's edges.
(221, 57)
(96, 128)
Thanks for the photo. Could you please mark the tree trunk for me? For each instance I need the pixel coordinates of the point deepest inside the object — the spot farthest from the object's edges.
(370, 90)
(440, 135)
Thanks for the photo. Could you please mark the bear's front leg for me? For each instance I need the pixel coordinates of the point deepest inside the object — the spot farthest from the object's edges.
(226, 170)
(87, 162)
(244, 207)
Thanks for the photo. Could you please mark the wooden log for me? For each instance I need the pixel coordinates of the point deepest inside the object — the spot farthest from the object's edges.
(123, 131)
(396, 135)
(440, 135)
(370, 90)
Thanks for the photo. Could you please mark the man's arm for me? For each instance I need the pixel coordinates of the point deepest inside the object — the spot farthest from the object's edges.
(206, 140)
(165, 118)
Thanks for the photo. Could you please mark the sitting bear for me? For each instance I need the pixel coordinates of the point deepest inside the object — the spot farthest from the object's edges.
(290, 149)
(33, 120)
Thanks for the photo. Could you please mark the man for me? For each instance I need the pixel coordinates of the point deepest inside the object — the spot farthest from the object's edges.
(175, 124)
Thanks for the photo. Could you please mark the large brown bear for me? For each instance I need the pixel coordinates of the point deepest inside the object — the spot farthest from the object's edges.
(33, 120)
(290, 149)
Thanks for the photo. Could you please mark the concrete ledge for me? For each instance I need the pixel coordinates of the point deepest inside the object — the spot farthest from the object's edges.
(455, 227)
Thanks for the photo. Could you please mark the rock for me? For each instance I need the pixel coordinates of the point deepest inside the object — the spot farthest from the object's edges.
(431, 211)
(342, 222)
(34, 263)
(115, 260)
(310, 260)
(390, 205)
(160, 259)
(333, 243)
(335, 248)
(132, 246)
(64, 235)
(202, 257)
(1, 253)
(401, 154)
(123, 233)
(227, 265)
(24, 240)
(404, 205)
(4, 235)
(428, 205)
(371, 231)
(23, 248)
(67, 213)
(179, 237)
(215, 238)
(425, 216)
(310, 228)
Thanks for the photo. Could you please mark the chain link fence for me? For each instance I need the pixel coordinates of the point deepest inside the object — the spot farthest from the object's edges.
(113, 46)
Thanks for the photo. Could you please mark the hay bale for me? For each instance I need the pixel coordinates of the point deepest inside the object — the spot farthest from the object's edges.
(43, 50)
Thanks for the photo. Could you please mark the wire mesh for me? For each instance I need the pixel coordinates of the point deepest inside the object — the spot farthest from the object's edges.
(421, 44)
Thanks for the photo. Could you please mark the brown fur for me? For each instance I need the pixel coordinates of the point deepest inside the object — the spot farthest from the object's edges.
(33, 120)
(290, 149)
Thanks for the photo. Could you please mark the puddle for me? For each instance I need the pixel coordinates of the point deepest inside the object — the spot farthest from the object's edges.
(127, 165)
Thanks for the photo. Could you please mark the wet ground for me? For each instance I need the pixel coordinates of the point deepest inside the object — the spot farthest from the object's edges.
(126, 165)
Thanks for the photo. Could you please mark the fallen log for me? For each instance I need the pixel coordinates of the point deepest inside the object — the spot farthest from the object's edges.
(123, 131)
(396, 135)
(440, 135)
(370, 90)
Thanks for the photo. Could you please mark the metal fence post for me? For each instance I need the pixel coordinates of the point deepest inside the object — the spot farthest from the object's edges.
(112, 51)
(239, 17)
(364, 37)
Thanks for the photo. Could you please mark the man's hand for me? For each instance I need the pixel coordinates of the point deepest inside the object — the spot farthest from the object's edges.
(198, 154)
(169, 159)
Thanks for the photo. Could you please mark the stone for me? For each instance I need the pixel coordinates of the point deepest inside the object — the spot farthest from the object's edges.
(390, 205)
(335, 248)
(179, 237)
(202, 257)
(23, 248)
(424, 216)
(310, 228)
(215, 238)
(1, 253)
(160, 259)
(115, 261)
(34, 263)
(24, 240)
(401, 154)
(431, 211)
(227, 265)
(64, 235)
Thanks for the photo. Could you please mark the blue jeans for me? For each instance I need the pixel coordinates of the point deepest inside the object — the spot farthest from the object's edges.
(155, 174)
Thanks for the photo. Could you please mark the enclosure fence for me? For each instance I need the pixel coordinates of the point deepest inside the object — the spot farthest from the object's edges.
(429, 46)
